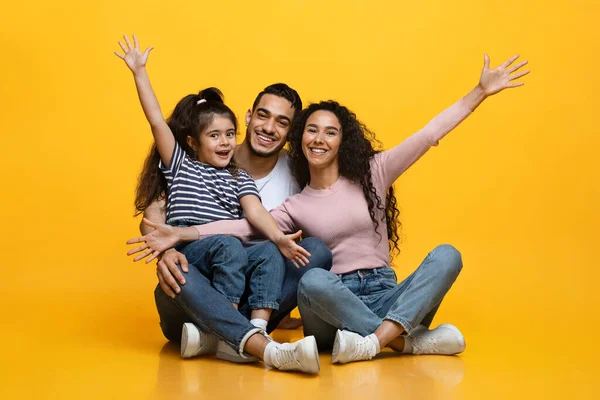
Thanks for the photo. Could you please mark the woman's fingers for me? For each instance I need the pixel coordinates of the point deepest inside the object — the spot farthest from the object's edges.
(520, 74)
(143, 255)
(137, 250)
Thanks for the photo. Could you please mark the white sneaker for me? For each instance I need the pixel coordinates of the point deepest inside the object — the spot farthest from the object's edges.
(227, 353)
(195, 342)
(350, 346)
(445, 339)
(302, 355)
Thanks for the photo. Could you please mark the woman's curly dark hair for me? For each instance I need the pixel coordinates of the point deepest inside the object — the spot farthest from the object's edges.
(355, 153)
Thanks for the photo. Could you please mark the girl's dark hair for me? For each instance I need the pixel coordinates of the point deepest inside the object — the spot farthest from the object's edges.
(189, 118)
(355, 153)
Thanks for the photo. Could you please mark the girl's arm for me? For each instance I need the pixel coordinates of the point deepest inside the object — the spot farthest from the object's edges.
(389, 165)
(260, 218)
(136, 61)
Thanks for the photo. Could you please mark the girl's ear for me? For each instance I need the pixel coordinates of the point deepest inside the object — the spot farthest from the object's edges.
(192, 143)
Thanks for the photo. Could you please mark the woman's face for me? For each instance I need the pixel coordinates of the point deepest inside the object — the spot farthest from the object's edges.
(321, 139)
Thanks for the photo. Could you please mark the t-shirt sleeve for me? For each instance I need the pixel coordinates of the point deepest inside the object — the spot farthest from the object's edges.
(246, 185)
(177, 158)
(387, 166)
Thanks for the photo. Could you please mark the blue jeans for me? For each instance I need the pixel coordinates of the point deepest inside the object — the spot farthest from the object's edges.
(360, 301)
(200, 303)
(223, 260)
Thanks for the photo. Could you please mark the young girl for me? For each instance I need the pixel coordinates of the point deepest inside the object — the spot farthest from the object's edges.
(203, 185)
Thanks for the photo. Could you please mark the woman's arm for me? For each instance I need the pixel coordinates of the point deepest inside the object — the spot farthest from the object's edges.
(163, 237)
(389, 165)
(136, 61)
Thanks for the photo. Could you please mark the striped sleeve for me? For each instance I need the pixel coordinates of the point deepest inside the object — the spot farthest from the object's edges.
(176, 160)
(246, 185)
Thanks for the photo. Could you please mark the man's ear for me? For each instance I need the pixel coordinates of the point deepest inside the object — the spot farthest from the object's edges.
(248, 117)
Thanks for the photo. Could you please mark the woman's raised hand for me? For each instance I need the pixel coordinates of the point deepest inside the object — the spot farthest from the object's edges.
(495, 80)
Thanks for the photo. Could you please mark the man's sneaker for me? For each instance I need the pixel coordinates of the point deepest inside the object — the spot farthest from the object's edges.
(195, 342)
(302, 355)
(226, 352)
(350, 346)
(445, 339)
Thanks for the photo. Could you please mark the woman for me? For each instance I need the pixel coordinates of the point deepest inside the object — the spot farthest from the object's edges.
(358, 308)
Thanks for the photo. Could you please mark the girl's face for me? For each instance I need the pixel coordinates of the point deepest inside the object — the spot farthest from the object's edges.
(216, 143)
(321, 139)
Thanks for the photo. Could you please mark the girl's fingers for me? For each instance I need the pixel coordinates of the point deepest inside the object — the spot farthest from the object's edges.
(121, 56)
(135, 42)
(128, 42)
(125, 50)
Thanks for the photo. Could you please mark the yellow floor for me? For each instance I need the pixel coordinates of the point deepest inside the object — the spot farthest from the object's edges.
(108, 346)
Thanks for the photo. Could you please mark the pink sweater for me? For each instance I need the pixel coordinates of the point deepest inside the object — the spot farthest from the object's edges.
(339, 215)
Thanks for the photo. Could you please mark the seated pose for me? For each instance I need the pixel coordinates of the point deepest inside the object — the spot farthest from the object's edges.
(195, 148)
(347, 200)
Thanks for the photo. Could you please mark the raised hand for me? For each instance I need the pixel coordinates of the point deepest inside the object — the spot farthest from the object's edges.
(133, 57)
(495, 80)
(289, 248)
(162, 238)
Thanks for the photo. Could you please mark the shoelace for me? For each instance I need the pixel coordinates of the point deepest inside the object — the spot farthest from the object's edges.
(424, 345)
(286, 356)
(361, 351)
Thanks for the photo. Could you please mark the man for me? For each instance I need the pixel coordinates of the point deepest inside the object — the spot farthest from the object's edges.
(262, 155)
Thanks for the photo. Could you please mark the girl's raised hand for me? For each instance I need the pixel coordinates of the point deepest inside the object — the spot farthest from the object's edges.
(495, 80)
(134, 58)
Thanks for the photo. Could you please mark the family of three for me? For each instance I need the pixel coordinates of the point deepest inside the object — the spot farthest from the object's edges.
(245, 233)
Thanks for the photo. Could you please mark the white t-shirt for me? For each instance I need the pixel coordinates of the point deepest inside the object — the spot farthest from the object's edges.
(276, 187)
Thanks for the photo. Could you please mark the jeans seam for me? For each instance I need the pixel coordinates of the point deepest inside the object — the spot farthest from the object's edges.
(264, 304)
(405, 324)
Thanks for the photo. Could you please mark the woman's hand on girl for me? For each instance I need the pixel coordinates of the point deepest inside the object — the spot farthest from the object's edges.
(495, 80)
(134, 58)
(289, 248)
(162, 238)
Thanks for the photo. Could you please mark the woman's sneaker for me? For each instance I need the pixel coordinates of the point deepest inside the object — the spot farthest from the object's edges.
(445, 339)
(194, 342)
(302, 356)
(350, 346)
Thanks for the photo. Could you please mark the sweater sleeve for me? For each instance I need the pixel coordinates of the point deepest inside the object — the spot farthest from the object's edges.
(387, 166)
(243, 230)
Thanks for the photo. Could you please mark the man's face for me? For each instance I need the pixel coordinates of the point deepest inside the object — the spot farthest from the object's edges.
(268, 125)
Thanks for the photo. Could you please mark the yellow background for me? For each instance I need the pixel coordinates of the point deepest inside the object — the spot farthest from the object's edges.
(515, 187)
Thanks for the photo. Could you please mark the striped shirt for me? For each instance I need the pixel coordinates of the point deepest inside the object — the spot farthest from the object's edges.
(200, 193)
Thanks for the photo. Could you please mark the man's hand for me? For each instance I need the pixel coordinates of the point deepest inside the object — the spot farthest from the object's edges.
(169, 274)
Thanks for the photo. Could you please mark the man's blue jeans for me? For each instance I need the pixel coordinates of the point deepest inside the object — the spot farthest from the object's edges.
(360, 301)
(199, 303)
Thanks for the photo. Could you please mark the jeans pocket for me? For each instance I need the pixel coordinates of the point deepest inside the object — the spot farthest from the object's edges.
(387, 283)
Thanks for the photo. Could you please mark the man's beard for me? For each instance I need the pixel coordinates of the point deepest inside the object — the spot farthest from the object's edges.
(268, 154)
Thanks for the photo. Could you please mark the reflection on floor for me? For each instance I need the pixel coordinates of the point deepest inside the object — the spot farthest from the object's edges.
(110, 347)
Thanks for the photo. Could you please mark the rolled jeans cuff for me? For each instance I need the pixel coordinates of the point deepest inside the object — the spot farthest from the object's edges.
(245, 339)
(405, 324)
